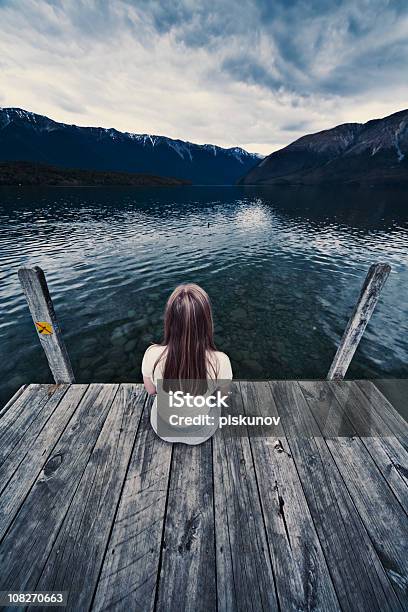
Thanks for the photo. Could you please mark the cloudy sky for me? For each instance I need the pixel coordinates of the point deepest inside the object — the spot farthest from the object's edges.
(253, 73)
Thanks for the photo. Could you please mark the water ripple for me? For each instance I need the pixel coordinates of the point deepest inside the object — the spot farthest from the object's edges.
(283, 269)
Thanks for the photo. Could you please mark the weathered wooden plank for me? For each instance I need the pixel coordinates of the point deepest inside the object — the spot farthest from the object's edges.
(302, 578)
(358, 576)
(384, 518)
(364, 308)
(246, 471)
(378, 417)
(84, 533)
(27, 410)
(36, 457)
(245, 578)
(11, 401)
(371, 413)
(187, 575)
(20, 404)
(29, 540)
(396, 392)
(21, 444)
(388, 454)
(43, 314)
(130, 567)
(330, 416)
(392, 419)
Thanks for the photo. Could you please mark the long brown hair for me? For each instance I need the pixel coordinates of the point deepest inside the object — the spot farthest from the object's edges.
(188, 335)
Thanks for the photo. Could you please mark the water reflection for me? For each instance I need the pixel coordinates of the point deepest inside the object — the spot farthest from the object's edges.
(283, 268)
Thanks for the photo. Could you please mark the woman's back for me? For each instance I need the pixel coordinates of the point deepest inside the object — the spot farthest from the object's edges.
(188, 352)
(154, 360)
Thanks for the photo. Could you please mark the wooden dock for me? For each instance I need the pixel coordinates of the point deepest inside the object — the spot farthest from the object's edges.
(313, 518)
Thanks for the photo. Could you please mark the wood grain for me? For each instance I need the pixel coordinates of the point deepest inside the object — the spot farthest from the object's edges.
(384, 449)
(21, 414)
(11, 401)
(33, 461)
(41, 308)
(29, 540)
(396, 424)
(312, 516)
(357, 573)
(187, 576)
(396, 392)
(245, 578)
(302, 577)
(373, 480)
(87, 524)
(21, 444)
(364, 308)
(130, 568)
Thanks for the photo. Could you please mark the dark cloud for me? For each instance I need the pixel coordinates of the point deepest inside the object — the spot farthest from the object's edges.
(285, 44)
(296, 126)
(303, 47)
(250, 70)
(254, 73)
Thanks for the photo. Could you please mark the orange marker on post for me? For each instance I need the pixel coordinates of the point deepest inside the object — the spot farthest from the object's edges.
(43, 314)
(44, 328)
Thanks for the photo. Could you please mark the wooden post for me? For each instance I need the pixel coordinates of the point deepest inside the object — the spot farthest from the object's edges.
(42, 311)
(368, 298)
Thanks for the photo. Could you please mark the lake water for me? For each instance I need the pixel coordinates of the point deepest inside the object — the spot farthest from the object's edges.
(283, 268)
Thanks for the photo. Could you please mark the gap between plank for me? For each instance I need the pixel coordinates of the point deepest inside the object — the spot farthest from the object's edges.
(352, 500)
(79, 478)
(261, 504)
(118, 502)
(159, 567)
(45, 461)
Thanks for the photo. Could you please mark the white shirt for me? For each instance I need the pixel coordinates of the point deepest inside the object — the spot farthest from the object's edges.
(217, 361)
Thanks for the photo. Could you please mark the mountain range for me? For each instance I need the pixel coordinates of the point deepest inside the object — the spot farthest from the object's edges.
(363, 153)
(375, 152)
(26, 136)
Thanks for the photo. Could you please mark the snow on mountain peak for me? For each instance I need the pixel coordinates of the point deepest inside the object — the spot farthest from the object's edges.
(26, 134)
(184, 149)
